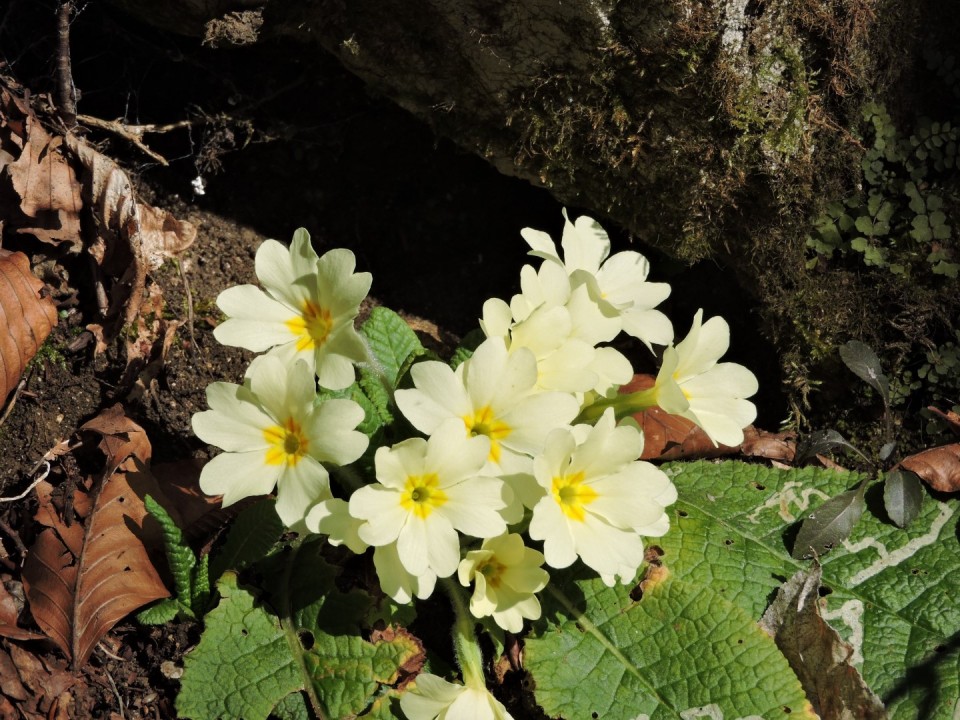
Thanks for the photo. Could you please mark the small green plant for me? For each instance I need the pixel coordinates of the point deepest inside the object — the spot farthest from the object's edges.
(897, 221)
(902, 490)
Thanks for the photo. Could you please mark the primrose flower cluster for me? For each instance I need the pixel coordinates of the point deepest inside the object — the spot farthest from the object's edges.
(525, 454)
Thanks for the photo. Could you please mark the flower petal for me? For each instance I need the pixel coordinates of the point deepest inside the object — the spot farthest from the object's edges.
(238, 475)
(299, 487)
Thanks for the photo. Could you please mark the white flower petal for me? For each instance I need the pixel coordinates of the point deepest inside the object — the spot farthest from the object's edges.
(472, 507)
(535, 416)
(299, 487)
(380, 507)
(439, 395)
(238, 475)
(235, 425)
(279, 273)
(395, 581)
(651, 327)
(497, 318)
(331, 433)
(332, 518)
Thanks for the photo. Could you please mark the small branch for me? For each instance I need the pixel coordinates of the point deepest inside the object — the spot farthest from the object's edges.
(13, 535)
(134, 133)
(66, 90)
(13, 400)
(30, 488)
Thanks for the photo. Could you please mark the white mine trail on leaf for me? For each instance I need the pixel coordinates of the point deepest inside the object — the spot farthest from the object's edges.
(890, 559)
(786, 496)
(956, 711)
(851, 613)
(711, 711)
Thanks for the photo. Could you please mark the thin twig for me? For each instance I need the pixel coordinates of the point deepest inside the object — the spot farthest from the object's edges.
(186, 289)
(109, 654)
(134, 133)
(12, 534)
(32, 485)
(13, 400)
(66, 90)
(115, 691)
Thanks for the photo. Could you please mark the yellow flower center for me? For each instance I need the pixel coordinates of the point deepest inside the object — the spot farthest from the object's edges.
(421, 496)
(312, 326)
(572, 495)
(492, 570)
(287, 443)
(482, 422)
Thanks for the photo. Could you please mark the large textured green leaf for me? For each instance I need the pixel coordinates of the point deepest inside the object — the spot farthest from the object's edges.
(250, 659)
(891, 593)
(392, 342)
(679, 651)
(252, 533)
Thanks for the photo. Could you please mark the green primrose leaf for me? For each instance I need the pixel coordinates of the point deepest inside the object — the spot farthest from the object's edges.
(864, 363)
(902, 496)
(179, 555)
(160, 613)
(392, 342)
(890, 593)
(252, 534)
(249, 660)
(832, 523)
(669, 649)
(372, 420)
(377, 396)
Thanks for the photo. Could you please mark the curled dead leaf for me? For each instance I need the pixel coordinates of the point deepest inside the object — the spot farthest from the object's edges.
(26, 315)
(81, 579)
(39, 190)
(133, 238)
(938, 467)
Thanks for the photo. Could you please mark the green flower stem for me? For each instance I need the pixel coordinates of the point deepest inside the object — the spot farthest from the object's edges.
(290, 631)
(465, 642)
(623, 405)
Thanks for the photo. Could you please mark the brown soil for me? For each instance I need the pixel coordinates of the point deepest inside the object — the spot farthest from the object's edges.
(439, 230)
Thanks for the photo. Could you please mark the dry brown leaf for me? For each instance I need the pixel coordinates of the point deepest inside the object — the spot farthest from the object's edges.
(9, 614)
(43, 196)
(670, 437)
(47, 682)
(147, 351)
(80, 585)
(818, 656)
(133, 238)
(771, 446)
(26, 316)
(950, 417)
(938, 467)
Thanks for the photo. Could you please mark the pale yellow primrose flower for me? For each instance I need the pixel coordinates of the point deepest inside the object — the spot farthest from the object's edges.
(492, 394)
(305, 310)
(433, 698)
(566, 361)
(275, 436)
(506, 574)
(428, 490)
(692, 384)
(618, 282)
(599, 498)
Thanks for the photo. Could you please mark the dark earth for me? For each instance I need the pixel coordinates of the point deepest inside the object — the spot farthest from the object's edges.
(281, 141)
